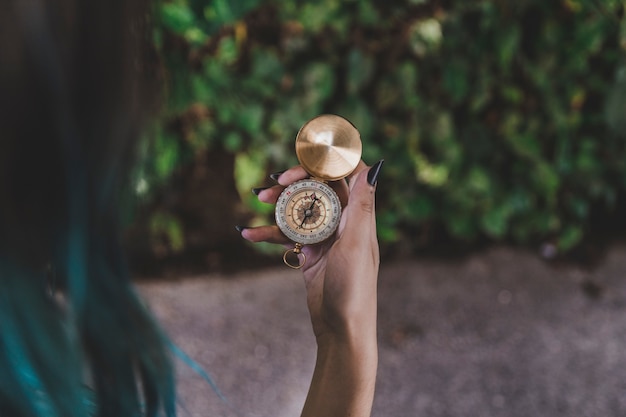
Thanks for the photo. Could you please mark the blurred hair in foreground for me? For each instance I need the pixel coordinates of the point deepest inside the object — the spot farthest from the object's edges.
(75, 92)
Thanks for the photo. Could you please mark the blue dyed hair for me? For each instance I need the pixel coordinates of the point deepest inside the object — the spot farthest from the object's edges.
(74, 93)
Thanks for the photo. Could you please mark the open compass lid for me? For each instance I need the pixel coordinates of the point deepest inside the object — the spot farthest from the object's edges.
(328, 147)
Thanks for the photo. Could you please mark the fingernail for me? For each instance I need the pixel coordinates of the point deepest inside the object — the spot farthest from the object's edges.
(240, 228)
(257, 190)
(372, 175)
(276, 175)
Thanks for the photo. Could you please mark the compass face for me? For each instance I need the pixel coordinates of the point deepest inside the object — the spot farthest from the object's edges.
(308, 211)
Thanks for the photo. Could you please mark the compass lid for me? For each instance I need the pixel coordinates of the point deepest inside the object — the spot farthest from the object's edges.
(328, 147)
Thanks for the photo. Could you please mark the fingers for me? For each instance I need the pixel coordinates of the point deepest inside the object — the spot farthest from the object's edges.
(292, 175)
(358, 222)
(270, 195)
(270, 234)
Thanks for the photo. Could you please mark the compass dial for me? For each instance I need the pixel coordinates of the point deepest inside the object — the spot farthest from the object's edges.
(308, 211)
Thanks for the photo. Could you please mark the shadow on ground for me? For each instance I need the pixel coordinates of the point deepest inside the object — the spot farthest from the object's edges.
(499, 333)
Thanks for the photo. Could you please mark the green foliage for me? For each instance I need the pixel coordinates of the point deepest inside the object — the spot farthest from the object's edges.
(167, 226)
(499, 120)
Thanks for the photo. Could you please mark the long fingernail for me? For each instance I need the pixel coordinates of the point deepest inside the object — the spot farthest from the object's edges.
(372, 175)
(257, 190)
(240, 228)
(276, 175)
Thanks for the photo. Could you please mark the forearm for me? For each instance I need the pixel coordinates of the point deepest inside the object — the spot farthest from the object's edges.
(344, 377)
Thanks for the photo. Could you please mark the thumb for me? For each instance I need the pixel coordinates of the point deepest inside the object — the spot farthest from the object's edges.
(359, 218)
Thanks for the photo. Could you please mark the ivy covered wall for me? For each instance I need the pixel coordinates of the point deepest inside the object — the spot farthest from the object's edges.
(499, 121)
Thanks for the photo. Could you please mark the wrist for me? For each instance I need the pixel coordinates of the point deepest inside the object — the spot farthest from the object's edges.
(351, 336)
(350, 320)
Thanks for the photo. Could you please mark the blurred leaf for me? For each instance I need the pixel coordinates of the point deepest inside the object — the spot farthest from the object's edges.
(421, 207)
(317, 16)
(318, 83)
(431, 174)
(520, 201)
(425, 35)
(570, 237)
(526, 146)
(510, 125)
(546, 180)
(233, 141)
(406, 77)
(386, 228)
(195, 36)
(167, 225)
(177, 17)
(368, 15)
(250, 118)
(360, 68)
(462, 226)
(248, 172)
(508, 41)
(228, 51)
(495, 221)
(512, 94)
(166, 154)
(455, 80)
(266, 67)
(360, 114)
(478, 181)
(616, 103)
(579, 207)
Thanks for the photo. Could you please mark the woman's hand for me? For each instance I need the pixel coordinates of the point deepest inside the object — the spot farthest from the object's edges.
(340, 275)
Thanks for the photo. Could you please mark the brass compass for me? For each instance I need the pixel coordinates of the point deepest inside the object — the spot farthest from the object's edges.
(308, 211)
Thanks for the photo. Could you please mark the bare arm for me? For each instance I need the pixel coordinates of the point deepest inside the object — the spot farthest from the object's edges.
(341, 281)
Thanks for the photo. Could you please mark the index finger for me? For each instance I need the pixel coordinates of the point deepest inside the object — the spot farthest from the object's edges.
(292, 175)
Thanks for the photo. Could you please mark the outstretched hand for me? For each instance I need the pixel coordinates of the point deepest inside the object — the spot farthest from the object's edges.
(340, 273)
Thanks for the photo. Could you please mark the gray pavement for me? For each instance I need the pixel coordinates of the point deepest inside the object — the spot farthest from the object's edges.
(499, 333)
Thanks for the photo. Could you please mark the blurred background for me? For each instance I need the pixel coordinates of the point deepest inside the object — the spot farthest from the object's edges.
(503, 127)
(501, 122)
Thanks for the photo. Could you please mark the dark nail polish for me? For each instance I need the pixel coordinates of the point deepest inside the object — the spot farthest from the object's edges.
(372, 175)
(240, 228)
(257, 190)
(276, 175)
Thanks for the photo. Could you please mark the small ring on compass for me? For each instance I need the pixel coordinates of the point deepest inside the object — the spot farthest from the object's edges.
(296, 251)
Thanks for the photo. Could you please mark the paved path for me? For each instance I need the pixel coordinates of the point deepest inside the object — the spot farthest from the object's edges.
(500, 333)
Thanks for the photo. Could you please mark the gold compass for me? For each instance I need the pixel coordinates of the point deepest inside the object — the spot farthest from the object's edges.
(308, 211)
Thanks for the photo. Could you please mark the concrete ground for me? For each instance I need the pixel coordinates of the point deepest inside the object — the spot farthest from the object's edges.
(499, 333)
